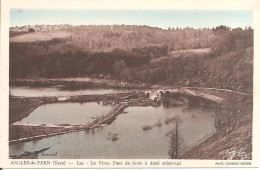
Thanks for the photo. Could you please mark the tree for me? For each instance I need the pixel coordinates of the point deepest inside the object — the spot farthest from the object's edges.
(176, 144)
(220, 30)
(31, 30)
(120, 70)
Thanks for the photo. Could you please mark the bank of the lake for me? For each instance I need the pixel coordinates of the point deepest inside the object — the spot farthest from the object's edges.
(78, 83)
(234, 140)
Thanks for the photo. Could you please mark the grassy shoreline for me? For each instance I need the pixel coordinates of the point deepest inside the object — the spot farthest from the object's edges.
(75, 83)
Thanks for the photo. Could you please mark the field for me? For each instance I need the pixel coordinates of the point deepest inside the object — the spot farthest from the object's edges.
(195, 51)
(39, 36)
(200, 52)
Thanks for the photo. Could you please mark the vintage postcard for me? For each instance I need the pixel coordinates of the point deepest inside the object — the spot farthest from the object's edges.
(119, 84)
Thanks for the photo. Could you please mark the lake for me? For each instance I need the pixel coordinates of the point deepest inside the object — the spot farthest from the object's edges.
(26, 91)
(125, 137)
(65, 113)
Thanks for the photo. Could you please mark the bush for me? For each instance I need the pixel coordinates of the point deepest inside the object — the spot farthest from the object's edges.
(115, 137)
(147, 127)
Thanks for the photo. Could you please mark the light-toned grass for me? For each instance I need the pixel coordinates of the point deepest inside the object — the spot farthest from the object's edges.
(198, 51)
(188, 52)
(39, 36)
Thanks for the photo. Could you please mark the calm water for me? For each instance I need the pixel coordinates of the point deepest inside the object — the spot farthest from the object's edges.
(41, 92)
(65, 113)
(133, 141)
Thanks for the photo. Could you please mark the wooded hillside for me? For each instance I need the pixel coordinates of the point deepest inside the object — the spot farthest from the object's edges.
(139, 53)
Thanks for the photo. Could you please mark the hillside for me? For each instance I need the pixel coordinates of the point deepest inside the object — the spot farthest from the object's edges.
(200, 70)
(183, 57)
(105, 38)
(233, 140)
(39, 36)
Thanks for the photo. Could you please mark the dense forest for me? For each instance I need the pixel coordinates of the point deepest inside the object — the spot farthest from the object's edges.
(141, 54)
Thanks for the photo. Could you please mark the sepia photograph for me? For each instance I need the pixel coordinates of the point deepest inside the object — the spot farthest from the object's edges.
(162, 84)
(154, 87)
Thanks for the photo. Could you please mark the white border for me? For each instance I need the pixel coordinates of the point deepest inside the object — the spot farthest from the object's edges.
(6, 5)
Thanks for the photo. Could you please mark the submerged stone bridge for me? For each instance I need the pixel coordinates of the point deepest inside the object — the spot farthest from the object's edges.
(156, 94)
